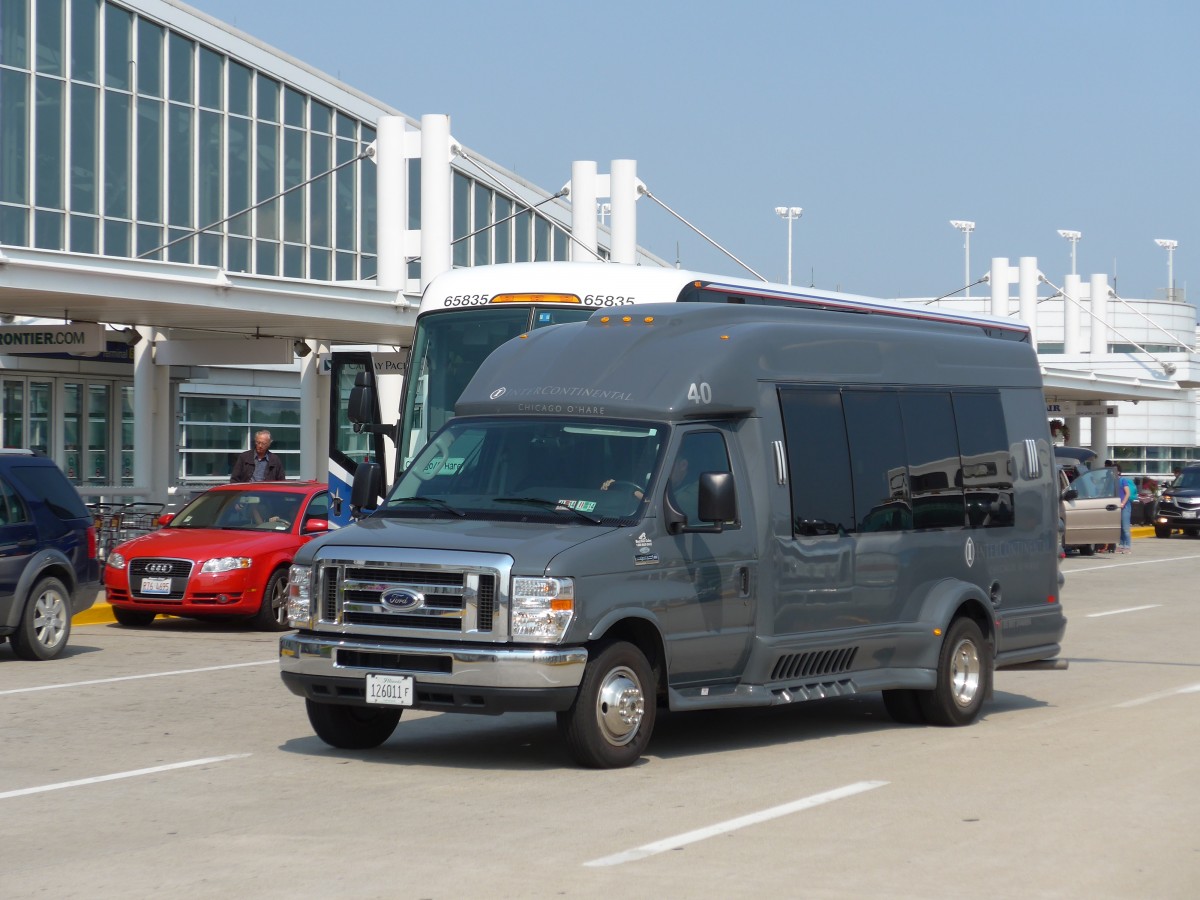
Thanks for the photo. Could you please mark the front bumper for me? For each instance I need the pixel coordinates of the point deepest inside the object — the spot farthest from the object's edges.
(449, 677)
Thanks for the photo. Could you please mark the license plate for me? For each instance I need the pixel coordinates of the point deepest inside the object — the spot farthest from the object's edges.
(390, 690)
(1188, 513)
(156, 585)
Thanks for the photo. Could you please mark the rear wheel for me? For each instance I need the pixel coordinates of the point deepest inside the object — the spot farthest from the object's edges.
(272, 613)
(609, 724)
(134, 618)
(1162, 531)
(964, 677)
(352, 727)
(46, 622)
(1087, 549)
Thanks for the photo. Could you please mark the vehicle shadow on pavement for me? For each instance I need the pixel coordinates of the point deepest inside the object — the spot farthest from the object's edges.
(529, 741)
(72, 649)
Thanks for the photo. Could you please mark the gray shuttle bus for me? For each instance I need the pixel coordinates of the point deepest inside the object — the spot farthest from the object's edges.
(696, 506)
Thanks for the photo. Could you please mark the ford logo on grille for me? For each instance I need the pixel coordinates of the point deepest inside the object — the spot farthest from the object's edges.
(160, 568)
(402, 599)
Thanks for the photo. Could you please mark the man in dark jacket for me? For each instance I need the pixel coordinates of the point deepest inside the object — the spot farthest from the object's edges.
(259, 464)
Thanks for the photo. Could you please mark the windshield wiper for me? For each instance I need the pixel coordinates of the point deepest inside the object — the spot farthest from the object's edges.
(551, 504)
(432, 501)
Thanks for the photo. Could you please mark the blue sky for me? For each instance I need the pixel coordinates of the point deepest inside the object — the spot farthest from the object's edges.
(883, 120)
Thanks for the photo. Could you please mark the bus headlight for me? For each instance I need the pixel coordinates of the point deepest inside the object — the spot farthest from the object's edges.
(299, 598)
(542, 608)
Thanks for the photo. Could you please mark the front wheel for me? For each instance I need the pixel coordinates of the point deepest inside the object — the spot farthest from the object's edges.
(1162, 531)
(272, 613)
(134, 618)
(964, 677)
(46, 623)
(609, 724)
(352, 727)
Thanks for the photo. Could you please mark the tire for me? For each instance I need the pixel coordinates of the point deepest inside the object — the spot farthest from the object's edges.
(610, 723)
(1087, 549)
(272, 613)
(904, 706)
(132, 618)
(964, 677)
(352, 727)
(45, 624)
(1162, 531)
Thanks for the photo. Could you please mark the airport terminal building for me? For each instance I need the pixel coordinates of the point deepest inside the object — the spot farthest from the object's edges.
(215, 205)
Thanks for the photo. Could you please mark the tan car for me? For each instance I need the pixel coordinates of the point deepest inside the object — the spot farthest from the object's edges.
(1091, 510)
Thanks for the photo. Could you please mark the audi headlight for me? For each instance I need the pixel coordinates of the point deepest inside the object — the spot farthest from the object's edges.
(542, 608)
(116, 560)
(224, 564)
(299, 598)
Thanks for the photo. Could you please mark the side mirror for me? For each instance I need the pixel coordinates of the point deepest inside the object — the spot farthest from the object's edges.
(1070, 494)
(165, 519)
(316, 526)
(718, 499)
(360, 408)
(367, 487)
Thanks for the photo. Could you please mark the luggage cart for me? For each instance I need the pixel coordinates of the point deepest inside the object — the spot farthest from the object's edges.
(137, 519)
(107, 519)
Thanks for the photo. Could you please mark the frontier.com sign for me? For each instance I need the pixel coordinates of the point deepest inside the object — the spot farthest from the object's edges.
(78, 338)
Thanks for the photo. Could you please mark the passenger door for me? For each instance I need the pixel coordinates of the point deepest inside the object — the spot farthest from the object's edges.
(1093, 515)
(18, 541)
(709, 617)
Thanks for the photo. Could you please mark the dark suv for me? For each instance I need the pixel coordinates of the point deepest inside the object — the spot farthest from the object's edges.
(1179, 505)
(48, 566)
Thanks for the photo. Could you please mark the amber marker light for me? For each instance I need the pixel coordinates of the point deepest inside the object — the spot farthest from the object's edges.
(626, 319)
(535, 298)
(604, 320)
(937, 632)
(724, 337)
(649, 320)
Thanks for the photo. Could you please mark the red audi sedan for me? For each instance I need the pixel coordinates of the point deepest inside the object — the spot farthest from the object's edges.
(224, 554)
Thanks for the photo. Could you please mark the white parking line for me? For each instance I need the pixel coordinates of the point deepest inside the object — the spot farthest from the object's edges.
(1117, 612)
(1190, 689)
(118, 775)
(765, 815)
(54, 687)
(1132, 562)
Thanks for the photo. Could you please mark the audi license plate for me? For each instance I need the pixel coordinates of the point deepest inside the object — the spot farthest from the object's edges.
(156, 585)
(390, 690)
(1188, 513)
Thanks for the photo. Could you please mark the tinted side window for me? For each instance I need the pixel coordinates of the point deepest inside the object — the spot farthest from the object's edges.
(878, 463)
(934, 468)
(52, 486)
(818, 461)
(12, 510)
(983, 442)
(699, 452)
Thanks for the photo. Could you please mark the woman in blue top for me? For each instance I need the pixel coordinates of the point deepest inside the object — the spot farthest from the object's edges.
(1125, 494)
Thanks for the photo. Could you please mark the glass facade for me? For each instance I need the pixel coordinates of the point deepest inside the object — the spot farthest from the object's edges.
(214, 430)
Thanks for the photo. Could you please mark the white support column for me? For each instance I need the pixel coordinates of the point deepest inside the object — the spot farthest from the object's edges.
(1099, 316)
(144, 384)
(1001, 280)
(321, 423)
(1027, 285)
(1072, 338)
(310, 386)
(583, 210)
(166, 459)
(623, 184)
(1100, 438)
(436, 197)
(391, 201)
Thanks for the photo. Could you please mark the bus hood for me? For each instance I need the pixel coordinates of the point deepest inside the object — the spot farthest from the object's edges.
(532, 545)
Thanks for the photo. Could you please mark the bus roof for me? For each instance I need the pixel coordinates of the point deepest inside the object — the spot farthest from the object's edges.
(598, 284)
(646, 363)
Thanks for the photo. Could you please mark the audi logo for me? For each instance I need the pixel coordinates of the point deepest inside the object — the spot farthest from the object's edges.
(159, 568)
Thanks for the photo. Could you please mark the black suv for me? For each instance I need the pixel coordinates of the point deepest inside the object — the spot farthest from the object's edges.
(1179, 505)
(48, 566)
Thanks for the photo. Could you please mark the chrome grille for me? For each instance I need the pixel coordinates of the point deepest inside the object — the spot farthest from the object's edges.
(412, 598)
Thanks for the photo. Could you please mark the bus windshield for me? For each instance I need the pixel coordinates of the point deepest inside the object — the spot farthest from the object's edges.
(451, 346)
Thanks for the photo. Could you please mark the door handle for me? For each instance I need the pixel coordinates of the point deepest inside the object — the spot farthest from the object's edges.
(743, 575)
(1111, 507)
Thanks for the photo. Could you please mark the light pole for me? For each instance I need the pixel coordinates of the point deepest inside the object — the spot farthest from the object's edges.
(1073, 237)
(791, 213)
(966, 228)
(1169, 246)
